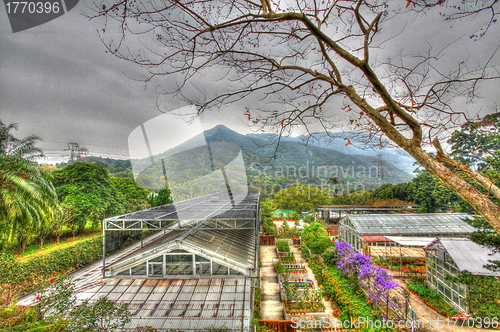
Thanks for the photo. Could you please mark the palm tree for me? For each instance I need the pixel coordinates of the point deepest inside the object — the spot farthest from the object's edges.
(334, 182)
(27, 199)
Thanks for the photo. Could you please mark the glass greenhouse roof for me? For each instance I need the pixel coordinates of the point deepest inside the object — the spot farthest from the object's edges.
(216, 208)
(411, 224)
(468, 255)
(201, 208)
(233, 248)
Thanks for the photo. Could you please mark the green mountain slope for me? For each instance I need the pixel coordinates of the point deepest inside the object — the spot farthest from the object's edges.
(292, 163)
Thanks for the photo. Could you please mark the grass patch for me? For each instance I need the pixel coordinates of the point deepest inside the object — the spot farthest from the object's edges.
(33, 251)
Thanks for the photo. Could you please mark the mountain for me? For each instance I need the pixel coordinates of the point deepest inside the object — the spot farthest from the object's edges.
(291, 163)
(362, 144)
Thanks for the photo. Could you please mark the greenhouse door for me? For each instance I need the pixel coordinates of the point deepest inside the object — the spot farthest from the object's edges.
(155, 269)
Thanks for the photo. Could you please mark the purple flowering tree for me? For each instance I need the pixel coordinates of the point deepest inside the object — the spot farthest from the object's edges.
(374, 280)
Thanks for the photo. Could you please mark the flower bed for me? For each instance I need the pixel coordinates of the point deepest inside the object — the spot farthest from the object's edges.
(413, 269)
(411, 260)
(301, 308)
(282, 246)
(301, 283)
(290, 259)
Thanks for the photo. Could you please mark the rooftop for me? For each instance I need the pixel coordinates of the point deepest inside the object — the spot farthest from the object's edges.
(411, 224)
(234, 248)
(241, 212)
(468, 255)
(181, 304)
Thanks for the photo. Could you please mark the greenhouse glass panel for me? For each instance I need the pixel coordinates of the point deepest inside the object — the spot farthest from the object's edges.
(235, 273)
(155, 269)
(139, 270)
(158, 259)
(201, 259)
(218, 270)
(124, 273)
(179, 264)
(203, 268)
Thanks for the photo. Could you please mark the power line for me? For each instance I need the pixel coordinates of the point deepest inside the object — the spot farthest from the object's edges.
(78, 153)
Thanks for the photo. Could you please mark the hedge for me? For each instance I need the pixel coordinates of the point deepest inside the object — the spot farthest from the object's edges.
(34, 272)
(432, 298)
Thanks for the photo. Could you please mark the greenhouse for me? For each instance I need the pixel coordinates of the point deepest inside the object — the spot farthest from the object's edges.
(450, 256)
(402, 246)
(191, 273)
(354, 227)
(331, 214)
(199, 270)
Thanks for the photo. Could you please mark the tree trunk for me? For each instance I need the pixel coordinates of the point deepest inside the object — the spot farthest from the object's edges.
(480, 202)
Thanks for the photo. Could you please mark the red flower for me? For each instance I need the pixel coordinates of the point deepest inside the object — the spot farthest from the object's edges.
(51, 280)
(38, 297)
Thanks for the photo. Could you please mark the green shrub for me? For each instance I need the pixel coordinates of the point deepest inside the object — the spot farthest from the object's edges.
(268, 226)
(58, 306)
(433, 298)
(329, 256)
(37, 270)
(283, 246)
(305, 252)
(319, 244)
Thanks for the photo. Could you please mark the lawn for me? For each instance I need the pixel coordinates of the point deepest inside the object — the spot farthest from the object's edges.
(51, 244)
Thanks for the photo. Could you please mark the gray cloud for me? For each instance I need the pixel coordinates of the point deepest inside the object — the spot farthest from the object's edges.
(56, 80)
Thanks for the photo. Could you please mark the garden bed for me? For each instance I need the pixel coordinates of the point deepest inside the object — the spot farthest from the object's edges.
(300, 308)
(288, 259)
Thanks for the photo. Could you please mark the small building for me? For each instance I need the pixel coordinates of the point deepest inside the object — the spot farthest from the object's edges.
(451, 256)
(395, 246)
(354, 228)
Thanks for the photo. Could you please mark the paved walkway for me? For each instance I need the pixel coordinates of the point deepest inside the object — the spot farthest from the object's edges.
(271, 306)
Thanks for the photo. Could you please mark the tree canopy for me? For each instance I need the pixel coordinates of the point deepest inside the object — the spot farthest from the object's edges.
(134, 197)
(86, 190)
(301, 198)
(28, 200)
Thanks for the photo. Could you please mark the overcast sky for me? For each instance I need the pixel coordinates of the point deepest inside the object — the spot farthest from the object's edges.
(57, 82)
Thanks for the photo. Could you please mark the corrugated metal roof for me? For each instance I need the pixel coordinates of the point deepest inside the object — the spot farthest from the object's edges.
(414, 241)
(470, 256)
(417, 223)
(183, 303)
